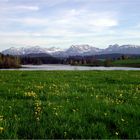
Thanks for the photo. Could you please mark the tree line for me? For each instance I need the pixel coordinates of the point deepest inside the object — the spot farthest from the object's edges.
(40, 60)
(71, 60)
(95, 61)
(8, 61)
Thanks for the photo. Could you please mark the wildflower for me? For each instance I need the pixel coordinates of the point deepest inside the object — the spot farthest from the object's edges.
(120, 95)
(37, 103)
(36, 113)
(105, 114)
(30, 94)
(49, 103)
(1, 129)
(96, 96)
(1, 118)
(122, 120)
(74, 110)
(37, 109)
(56, 114)
(77, 97)
(37, 119)
(39, 87)
(65, 134)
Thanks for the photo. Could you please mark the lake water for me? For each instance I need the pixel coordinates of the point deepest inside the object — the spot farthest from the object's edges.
(69, 67)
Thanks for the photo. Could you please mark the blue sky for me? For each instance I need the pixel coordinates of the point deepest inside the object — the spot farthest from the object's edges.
(62, 23)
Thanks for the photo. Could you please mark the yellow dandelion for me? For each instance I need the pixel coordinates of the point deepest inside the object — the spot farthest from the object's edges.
(49, 103)
(38, 108)
(122, 120)
(37, 119)
(105, 114)
(1, 129)
(65, 134)
(56, 113)
(96, 96)
(74, 110)
(36, 113)
(39, 87)
(120, 95)
(1, 118)
(30, 94)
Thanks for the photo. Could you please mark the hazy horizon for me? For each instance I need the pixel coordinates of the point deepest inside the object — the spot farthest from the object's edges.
(62, 23)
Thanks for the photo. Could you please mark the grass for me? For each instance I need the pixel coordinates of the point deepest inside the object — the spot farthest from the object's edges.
(127, 63)
(69, 104)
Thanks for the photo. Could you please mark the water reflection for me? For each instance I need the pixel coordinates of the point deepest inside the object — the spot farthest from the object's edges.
(69, 67)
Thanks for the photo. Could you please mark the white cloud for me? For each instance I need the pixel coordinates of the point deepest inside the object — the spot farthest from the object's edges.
(28, 40)
(48, 22)
(27, 21)
(104, 22)
(14, 8)
(24, 7)
(71, 21)
(73, 26)
(137, 26)
(33, 21)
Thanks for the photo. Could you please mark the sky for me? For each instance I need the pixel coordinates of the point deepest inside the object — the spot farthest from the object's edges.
(62, 23)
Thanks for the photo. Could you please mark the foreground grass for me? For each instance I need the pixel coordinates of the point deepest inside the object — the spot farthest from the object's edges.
(72, 104)
(127, 63)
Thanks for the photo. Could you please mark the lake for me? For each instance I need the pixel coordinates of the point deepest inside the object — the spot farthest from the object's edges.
(69, 67)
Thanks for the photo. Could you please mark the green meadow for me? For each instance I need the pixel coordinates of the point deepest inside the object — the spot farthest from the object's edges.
(127, 63)
(69, 104)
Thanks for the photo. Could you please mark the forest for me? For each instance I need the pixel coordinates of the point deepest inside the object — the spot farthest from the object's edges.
(8, 61)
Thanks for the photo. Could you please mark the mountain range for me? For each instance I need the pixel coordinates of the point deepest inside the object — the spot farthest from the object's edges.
(74, 50)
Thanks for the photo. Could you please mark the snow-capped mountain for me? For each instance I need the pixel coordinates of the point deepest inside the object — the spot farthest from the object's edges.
(31, 50)
(123, 49)
(14, 51)
(82, 50)
(53, 50)
(73, 50)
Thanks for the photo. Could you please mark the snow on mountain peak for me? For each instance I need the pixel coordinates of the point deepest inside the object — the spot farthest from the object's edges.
(81, 48)
(53, 49)
(113, 46)
(74, 50)
(31, 50)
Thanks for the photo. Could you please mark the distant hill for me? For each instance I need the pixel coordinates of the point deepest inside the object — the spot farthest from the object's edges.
(74, 50)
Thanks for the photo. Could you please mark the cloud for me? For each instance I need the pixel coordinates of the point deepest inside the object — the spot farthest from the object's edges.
(70, 20)
(16, 7)
(32, 21)
(67, 22)
(24, 7)
(104, 22)
(71, 26)
(24, 22)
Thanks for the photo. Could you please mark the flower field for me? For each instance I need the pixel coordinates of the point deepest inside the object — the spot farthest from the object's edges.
(69, 104)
